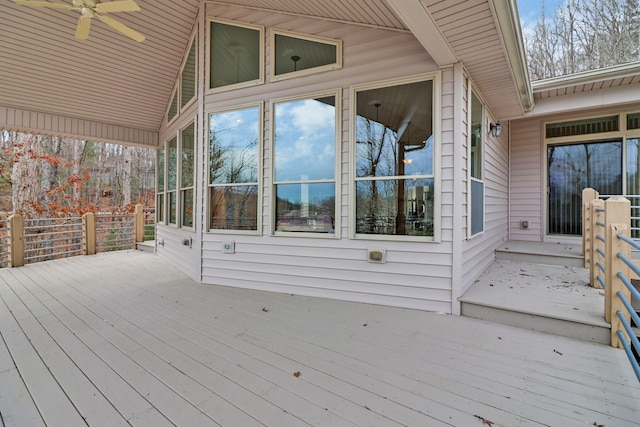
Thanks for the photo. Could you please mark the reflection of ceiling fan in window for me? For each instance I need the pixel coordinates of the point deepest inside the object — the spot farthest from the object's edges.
(91, 8)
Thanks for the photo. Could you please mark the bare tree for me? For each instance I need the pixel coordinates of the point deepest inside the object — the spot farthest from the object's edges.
(584, 35)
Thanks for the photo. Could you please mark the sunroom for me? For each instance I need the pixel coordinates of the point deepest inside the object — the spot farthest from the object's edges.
(348, 159)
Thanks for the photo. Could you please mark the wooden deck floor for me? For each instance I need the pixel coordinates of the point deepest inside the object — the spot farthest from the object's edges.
(124, 338)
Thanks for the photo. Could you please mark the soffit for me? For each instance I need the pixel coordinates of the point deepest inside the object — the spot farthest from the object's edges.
(108, 78)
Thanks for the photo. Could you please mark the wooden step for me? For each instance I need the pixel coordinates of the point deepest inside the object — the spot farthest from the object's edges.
(148, 246)
(564, 254)
(545, 298)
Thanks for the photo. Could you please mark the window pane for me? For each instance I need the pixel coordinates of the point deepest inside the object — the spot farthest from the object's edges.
(295, 54)
(234, 207)
(394, 131)
(173, 107)
(572, 168)
(172, 207)
(187, 208)
(188, 80)
(233, 146)
(235, 55)
(172, 160)
(633, 121)
(395, 207)
(582, 127)
(476, 137)
(161, 154)
(305, 139)
(188, 144)
(160, 207)
(306, 207)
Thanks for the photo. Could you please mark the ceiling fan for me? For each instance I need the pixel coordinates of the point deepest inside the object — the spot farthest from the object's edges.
(91, 8)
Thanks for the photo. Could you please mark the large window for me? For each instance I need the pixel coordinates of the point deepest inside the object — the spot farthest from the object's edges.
(234, 147)
(395, 148)
(598, 152)
(187, 147)
(160, 189)
(476, 134)
(172, 180)
(305, 164)
(296, 54)
(235, 55)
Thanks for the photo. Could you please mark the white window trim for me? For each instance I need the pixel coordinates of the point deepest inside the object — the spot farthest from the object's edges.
(174, 95)
(336, 170)
(272, 68)
(436, 78)
(177, 189)
(184, 63)
(164, 189)
(471, 89)
(258, 183)
(180, 200)
(250, 83)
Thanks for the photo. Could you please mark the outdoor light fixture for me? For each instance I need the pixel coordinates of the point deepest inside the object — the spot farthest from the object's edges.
(495, 130)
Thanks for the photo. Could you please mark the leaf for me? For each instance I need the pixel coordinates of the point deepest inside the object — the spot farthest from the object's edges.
(265, 309)
(296, 374)
(484, 420)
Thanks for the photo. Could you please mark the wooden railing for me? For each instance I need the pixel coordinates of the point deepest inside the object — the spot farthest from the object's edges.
(24, 241)
(607, 249)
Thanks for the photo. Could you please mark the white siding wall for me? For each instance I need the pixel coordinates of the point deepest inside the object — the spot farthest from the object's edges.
(416, 275)
(527, 169)
(49, 124)
(478, 252)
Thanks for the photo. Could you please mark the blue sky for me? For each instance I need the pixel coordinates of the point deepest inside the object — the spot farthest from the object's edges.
(530, 10)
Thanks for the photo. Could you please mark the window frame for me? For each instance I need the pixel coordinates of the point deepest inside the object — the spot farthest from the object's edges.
(258, 183)
(337, 43)
(181, 187)
(173, 98)
(261, 77)
(176, 190)
(484, 135)
(435, 78)
(623, 134)
(161, 211)
(193, 42)
(337, 93)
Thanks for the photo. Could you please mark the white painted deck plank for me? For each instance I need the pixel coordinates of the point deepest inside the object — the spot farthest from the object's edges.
(18, 408)
(203, 343)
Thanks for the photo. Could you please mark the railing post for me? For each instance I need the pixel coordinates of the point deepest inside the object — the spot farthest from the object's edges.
(588, 194)
(614, 284)
(139, 221)
(16, 240)
(89, 233)
(596, 216)
(617, 211)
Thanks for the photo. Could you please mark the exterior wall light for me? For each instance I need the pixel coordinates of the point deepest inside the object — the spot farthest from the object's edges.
(495, 130)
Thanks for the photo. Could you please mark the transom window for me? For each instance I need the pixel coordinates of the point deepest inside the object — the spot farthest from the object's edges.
(234, 147)
(235, 55)
(304, 164)
(296, 54)
(394, 160)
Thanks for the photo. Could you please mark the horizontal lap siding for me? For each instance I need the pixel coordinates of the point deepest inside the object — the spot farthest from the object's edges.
(48, 124)
(416, 275)
(479, 251)
(527, 168)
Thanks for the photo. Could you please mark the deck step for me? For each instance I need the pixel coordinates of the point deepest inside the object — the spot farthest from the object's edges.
(147, 246)
(540, 297)
(564, 254)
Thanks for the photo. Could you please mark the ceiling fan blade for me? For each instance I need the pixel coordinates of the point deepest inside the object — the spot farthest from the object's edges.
(118, 6)
(127, 31)
(43, 4)
(82, 30)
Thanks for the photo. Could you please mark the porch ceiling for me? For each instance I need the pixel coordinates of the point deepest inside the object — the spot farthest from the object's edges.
(110, 79)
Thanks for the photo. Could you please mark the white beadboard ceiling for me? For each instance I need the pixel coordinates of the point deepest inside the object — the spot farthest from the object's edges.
(112, 80)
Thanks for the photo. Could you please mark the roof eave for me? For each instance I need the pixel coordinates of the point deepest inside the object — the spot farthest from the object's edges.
(506, 12)
(585, 77)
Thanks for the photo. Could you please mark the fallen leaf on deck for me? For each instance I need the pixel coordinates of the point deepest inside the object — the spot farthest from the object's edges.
(484, 420)
(364, 324)
(265, 309)
(296, 374)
